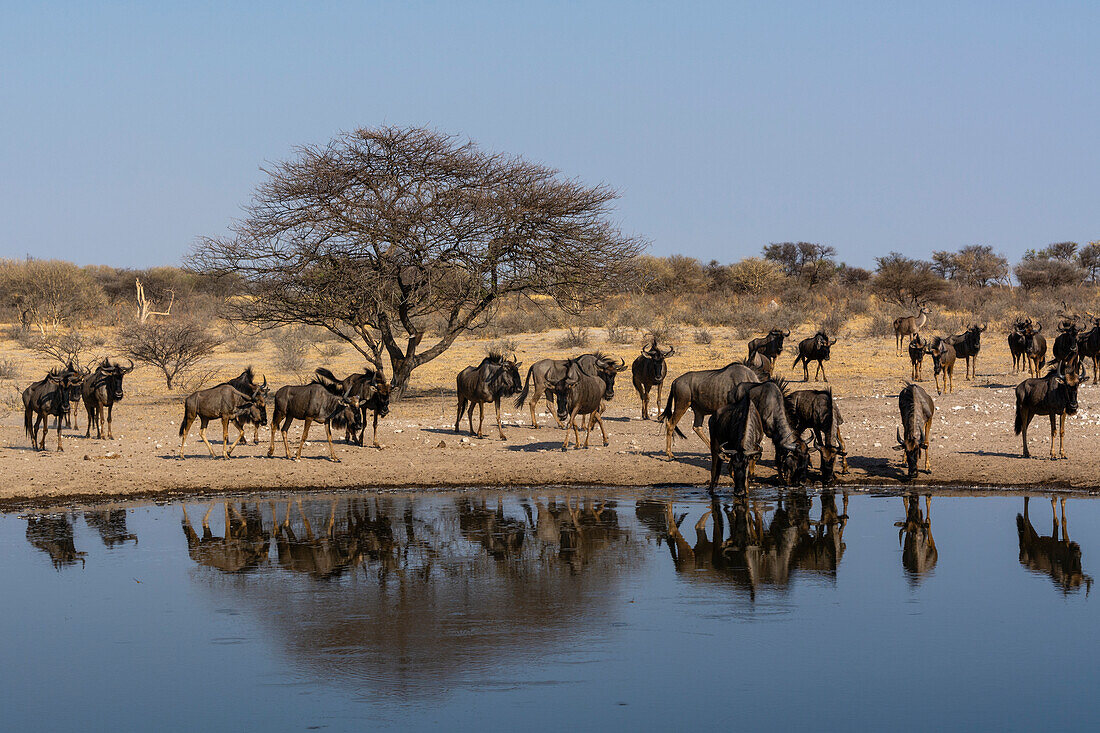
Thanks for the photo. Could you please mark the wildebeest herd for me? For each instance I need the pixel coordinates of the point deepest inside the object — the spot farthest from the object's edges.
(742, 403)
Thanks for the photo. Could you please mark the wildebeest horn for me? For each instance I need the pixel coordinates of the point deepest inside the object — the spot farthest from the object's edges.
(787, 333)
(900, 441)
(670, 351)
(127, 370)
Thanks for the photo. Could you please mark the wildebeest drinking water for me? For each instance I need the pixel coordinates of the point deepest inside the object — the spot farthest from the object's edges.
(791, 455)
(916, 409)
(45, 398)
(649, 370)
(373, 392)
(311, 403)
(817, 411)
(545, 373)
(705, 392)
(581, 393)
(736, 431)
(1055, 395)
(102, 389)
(490, 381)
(223, 402)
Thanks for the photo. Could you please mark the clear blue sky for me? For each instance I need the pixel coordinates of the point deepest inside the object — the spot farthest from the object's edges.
(127, 130)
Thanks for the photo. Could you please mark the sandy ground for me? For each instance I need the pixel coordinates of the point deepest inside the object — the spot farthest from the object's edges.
(972, 443)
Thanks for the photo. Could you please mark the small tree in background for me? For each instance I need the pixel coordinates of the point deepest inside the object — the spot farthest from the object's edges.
(49, 293)
(808, 262)
(68, 348)
(1053, 266)
(904, 281)
(1089, 259)
(174, 347)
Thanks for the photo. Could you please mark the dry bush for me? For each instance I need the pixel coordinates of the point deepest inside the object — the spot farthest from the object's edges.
(573, 338)
(834, 321)
(174, 347)
(505, 346)
(291, 349)
(620, 335)
(9, 369)
(70, 348)
(881, 324)
(330, 349)
(702, 336)
(240, 341)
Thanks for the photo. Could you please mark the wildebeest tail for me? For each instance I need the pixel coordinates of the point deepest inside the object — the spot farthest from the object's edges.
(28, 424)
(325, 377)
(1019, 418)
(667, 413)
(183, 421)
(522, 397)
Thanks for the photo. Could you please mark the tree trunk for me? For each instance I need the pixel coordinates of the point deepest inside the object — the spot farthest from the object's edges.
(402, 372)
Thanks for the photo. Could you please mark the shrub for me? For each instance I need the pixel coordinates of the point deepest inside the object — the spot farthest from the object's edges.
(620, 335)
(171, 346)
(290, 350)
(9, 369)
(702, 336)
(573, 338)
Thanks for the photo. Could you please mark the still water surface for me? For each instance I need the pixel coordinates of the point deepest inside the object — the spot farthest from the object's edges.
(552, 612)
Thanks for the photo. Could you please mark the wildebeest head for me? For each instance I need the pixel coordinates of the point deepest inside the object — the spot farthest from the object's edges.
(652, 351)
(1068, 375)
(796, 464)
(381, 398)
(251, 412)
(911, 444)
(829, 455)
(739, 461)
(112, 375)
(346, 414)
(504, 380)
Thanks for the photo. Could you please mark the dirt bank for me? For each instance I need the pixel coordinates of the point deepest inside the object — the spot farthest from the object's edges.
(972, 443)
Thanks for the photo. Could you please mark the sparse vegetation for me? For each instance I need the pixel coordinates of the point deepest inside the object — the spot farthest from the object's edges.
(573, 338)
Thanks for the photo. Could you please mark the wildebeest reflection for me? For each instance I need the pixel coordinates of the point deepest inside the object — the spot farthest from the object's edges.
(756, 552)
(111, 525)
(53, 534)
(326, 555)
(244, 545)
(918, 547)
(501, 536)
(1058, 558)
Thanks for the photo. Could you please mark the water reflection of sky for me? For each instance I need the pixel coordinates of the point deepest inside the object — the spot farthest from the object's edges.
(542, 612)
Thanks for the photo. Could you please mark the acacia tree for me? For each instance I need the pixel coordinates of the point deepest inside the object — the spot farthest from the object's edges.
(899, 279)
(48, 293)
(386, 233)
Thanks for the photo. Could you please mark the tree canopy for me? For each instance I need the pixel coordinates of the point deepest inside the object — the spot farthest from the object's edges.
(384, 235)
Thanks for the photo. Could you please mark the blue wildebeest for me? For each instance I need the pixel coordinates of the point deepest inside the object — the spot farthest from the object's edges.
(311, 403)
(1065, 344)
(705, 392)
(545, 373)
(916, 409)
(581, 393)
(916, 355)
(918, 547)
(223, 402)
(770, 345)
(373, 392)
(490, 381)
(45, 398)
(1088, 346)
(102, 389)
(649, 370)
(943, 363)
(246, 382)
(817, 411)
(816, 348)
(1035, 349)
(967, 345)
(1055, 395)
(736, 432)
(1017, 343)
(792, 458)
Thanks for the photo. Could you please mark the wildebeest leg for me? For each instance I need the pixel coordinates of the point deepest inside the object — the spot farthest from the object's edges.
(110, 411)
(1023, 431)
(59, 448)
(588, 427)
(306, 422)
(376, 445)
(480, 418)
(225, 423)
(255, 433)
(844, 458)
(500, 427)
(285, 430)
(697, 426)
(599, 419)
(531, 404)
(461, 409)
(659, 385)
(1062, 435)
(806, 371)
(331, 450)
(203, 422)
(565, 445)
(715, 467)
(576, 431)
(184, 428)
(824, 376)
(927, 439)
(678, 411)
(1053, 431)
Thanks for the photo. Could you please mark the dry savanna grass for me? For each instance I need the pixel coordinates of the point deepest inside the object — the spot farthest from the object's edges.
(972, 442)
